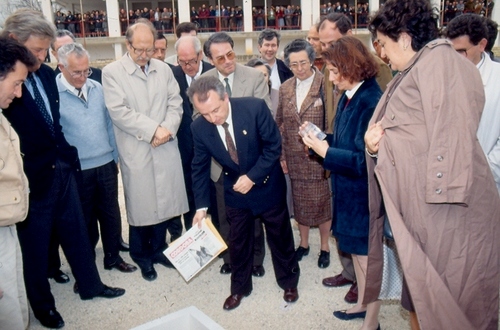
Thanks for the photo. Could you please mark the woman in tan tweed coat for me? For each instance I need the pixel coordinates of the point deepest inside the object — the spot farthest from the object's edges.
(300, 99)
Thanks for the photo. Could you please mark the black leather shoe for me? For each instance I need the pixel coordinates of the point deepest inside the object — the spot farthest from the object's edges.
(301, 252)
(225, 269)
(110, 292)
(291, 295)
(258, 271)
(124, 247)
(324, 259)
(149, 274)
(164, 262)
(60, 277)
(122, 267)
(346, 317)
(51, 319)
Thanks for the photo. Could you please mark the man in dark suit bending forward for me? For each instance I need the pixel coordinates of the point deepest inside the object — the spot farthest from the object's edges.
(242, 136)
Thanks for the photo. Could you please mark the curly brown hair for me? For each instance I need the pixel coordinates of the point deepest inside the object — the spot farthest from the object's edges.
(353, 60)
(415, 17)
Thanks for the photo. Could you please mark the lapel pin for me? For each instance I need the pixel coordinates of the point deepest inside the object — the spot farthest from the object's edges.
(244, 132)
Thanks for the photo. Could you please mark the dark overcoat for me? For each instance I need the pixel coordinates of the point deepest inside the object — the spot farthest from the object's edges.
(346, 160)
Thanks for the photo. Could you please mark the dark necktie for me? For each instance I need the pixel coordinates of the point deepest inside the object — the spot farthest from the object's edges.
(40, 103)
(231, 148)
(143, 68)
(80, 93)
(228, 88)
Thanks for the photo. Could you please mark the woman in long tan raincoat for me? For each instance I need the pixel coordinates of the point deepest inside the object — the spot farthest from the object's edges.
(432, 177)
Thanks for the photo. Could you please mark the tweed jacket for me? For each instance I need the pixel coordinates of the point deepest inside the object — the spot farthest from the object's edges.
(288, 119)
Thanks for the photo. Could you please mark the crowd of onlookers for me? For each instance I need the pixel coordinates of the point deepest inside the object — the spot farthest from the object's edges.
(452, 9)
(91, 24)
(212, 18)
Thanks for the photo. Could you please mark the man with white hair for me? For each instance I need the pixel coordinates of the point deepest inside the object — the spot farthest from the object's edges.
(143, 100)
(87, 126)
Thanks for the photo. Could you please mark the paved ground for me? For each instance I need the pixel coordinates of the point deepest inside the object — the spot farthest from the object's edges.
(263, 309)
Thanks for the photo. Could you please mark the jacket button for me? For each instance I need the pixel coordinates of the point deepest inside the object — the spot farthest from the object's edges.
(225, 173)
(393, 164)
(439, 175)
(440, 158)
(53, 166)
(438, 191)
(393, 116)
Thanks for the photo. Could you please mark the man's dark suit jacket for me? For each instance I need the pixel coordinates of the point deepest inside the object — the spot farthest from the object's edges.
(39, 147)
(283, 71)
(96, 74)
(184, 131)
(258, 143)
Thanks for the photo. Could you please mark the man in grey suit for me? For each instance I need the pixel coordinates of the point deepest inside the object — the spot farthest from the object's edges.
(239, 81)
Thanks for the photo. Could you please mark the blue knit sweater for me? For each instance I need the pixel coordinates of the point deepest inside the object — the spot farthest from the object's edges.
(87, 125)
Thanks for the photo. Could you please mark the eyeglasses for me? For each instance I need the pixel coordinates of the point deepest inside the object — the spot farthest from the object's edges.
(79, 74)
(221, 59)
(296, 65)
(148, 52)
(190, 62)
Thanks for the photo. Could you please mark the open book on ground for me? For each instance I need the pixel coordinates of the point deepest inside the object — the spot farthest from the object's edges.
(194, 250)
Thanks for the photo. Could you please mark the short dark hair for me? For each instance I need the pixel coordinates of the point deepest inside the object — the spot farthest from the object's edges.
(415, 17)
(296, 46)
(492, 36)
(217, 38)
(268, 34)
(185, 27)
(471, 25)
(160, 35)
(11, 51)
(203, 85)
(341, 22)
(351, 57)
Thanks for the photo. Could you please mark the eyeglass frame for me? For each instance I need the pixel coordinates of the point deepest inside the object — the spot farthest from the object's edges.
(230, 55)
(149, 52)
(191, 63)
(79, 74)
(295, 65)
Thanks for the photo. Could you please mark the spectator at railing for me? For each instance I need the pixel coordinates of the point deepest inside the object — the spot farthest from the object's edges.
(225, 18)
(203, 14)
(71, 19)
(271, 17)
(59, 20)
(280, 15)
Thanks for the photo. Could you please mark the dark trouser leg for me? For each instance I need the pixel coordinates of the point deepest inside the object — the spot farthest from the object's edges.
(158, 240)
(188, 216)
(140, 250)
(280, 240)
(174, 227)
(108, 212)
(223, 221)
(259, 249)
(54, 263)
(34, 235)
(241, 241)
(72, 233)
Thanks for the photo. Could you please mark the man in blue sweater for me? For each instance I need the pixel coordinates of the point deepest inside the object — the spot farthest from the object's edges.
(87, 126)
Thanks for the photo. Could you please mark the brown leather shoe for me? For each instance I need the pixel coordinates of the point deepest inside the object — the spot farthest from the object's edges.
(291, 295)
(233, 301)
(122, 267)
(352, 295)
(336, 281)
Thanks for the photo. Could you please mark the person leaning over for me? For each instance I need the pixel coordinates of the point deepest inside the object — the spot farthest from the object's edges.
(15, 60)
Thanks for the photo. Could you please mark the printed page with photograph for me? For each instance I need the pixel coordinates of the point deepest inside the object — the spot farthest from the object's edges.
(194, 250)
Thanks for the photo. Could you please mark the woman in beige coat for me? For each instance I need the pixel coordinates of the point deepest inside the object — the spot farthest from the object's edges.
(428, 167)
